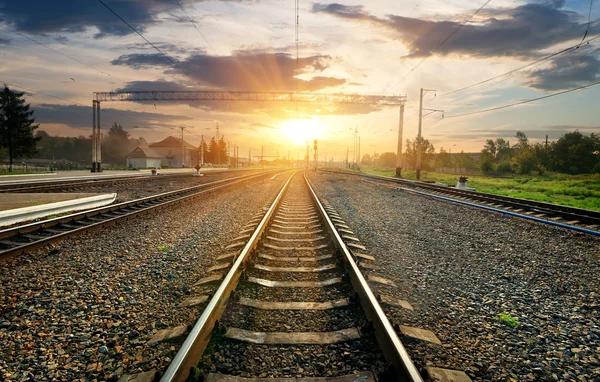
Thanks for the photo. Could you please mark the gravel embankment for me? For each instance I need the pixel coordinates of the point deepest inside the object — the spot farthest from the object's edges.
(461, 268)
(85, 307)
(152, 186)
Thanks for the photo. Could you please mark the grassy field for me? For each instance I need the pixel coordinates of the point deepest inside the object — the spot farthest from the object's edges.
(582, 191)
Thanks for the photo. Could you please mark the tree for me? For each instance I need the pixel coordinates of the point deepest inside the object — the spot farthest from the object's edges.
(387, 160)
(223, 150)
(16, 126)
(211, 155)
(575, 153)
(366, 160)
(427, 152)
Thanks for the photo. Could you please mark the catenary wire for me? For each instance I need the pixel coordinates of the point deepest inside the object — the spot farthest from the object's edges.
(525, 101)
(145, 39)
(198, 30)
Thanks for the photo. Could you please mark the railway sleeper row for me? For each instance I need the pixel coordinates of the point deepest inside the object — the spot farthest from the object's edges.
(282, 303)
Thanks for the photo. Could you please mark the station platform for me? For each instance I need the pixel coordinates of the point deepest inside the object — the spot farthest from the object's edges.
(22, 207)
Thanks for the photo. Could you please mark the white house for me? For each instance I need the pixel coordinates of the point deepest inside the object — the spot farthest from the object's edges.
(143, 157)
(170, 150)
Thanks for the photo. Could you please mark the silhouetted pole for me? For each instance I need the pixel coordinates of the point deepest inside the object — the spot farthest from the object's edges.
(94, 136)
(98, 140)
(399, 150)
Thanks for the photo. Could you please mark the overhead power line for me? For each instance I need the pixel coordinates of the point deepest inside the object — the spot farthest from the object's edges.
(39, 92)
(114, 111)
(574, 47)
(145, 39)
(63, 54)
(194, 24)
(588, 23)
(455, 31)
(525, 101)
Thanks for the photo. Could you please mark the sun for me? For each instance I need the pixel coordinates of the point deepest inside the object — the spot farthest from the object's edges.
(301, 130)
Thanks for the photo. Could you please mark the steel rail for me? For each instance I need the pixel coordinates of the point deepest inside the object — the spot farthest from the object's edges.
(58, 184)
(569, 213)
(393, 350)
(147, 204)
(193, 348)
(504, 212)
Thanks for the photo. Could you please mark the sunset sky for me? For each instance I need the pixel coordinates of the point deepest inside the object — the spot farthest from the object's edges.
(372, 47)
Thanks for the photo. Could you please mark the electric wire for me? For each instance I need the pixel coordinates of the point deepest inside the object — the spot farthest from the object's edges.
(145, 39)
(198, 30)
(574, 47)
(455, 31)
(525, 101)
(63, 54)
(588, 23)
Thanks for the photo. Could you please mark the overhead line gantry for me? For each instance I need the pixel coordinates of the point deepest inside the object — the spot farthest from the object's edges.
(244, 96)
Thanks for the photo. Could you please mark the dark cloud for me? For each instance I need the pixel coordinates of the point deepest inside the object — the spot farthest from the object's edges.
(566, 72)
(80, 116)
(244, 70)
(518, 31)
(4, 41)
(160, 85)
(43, 16)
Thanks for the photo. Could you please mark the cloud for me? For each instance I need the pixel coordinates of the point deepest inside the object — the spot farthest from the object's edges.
(244, 70)
(499, 32)
(4, 41)
(566, 72)
(43, 16)
(80, 116)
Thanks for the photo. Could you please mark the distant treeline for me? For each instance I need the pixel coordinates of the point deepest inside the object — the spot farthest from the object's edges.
(573, 153)
(116, 145)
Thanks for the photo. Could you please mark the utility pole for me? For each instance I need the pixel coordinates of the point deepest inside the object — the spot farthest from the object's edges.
(419, 138)
(218, 147)
(228, 154)
(202, 150)
(399, 150)
(182, 149)
(98, 140)
(358, 164)
(306, 164)
(94, 136)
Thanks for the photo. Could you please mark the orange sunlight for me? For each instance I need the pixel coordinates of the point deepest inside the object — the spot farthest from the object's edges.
(301, 130)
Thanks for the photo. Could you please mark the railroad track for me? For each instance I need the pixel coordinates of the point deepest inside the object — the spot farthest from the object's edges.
(24, 238)
(578, 219)
(289, 300)
(74, 184)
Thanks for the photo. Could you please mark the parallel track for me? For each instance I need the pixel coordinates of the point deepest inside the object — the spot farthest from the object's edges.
(24, 238)
(543, 212)
(292, 262)
(74, 184)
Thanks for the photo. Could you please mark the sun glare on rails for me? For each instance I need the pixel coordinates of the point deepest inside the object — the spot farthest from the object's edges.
(301, 130)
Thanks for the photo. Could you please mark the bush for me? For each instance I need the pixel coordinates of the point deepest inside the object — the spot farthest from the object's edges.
(487, 165)
(503, 168)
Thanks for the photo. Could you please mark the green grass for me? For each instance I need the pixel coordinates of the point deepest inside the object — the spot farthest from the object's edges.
(581, 191)
(507, 319)
(164, 248)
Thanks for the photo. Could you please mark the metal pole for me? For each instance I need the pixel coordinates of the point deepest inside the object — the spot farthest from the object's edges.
(182, 150)
(94, 136)
(98, 141)
(358, 151)
(419, 136)
(218, 147)
(399, 150)
(202, 150)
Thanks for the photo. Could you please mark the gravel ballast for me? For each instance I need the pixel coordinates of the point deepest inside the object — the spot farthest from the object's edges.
(85, 307)
(509, 299)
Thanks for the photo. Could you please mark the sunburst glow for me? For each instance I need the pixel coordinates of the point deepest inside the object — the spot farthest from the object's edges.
(300, 130)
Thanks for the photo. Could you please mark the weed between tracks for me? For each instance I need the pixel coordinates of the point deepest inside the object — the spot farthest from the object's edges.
(507, 319)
